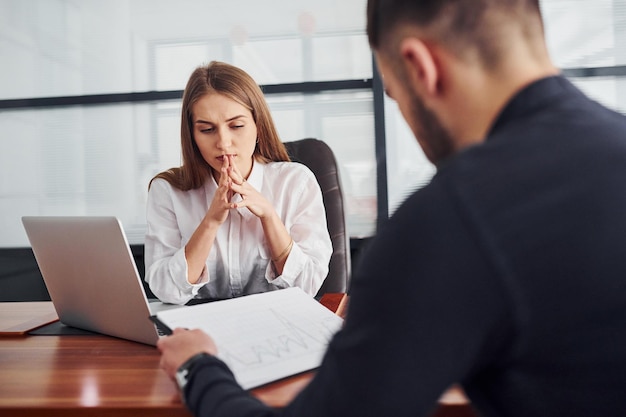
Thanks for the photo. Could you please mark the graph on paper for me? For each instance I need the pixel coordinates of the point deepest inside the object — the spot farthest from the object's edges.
(263, 337)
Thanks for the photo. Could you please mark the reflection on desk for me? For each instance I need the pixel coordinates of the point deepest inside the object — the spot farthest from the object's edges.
(86, 375)
(72, 375)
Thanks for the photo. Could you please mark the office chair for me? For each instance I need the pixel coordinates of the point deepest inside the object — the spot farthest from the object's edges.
(320, 159)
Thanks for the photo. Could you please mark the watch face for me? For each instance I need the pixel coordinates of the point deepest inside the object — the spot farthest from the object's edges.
(181, 378)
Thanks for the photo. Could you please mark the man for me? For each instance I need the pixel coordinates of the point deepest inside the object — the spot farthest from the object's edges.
(507, 273)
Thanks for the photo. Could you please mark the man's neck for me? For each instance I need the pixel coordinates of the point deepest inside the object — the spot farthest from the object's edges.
(481, 95)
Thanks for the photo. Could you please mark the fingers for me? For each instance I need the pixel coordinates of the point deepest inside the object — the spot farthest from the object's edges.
(223, 189)
(182, 345)
(236, 180)
(224, 171)
(221, 205)
(224, 183)
(242, 188)
(234, 172)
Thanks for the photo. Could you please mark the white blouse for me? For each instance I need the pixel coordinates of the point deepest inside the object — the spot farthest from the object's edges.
(239, 262)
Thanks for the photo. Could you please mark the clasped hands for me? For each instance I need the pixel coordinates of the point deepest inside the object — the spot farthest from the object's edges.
(231, 182)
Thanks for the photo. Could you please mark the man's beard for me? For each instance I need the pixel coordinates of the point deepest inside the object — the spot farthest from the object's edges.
(428, 130)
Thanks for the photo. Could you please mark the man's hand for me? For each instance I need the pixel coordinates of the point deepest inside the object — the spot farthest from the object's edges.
(182, 345)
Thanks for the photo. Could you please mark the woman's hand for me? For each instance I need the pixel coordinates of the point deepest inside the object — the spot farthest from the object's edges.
(250, 197)
(221, 205)
(233, 181)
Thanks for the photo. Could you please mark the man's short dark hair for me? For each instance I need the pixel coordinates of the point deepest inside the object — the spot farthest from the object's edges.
(460, 23)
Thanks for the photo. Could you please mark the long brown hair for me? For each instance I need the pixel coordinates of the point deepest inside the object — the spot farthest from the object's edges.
(236, 84)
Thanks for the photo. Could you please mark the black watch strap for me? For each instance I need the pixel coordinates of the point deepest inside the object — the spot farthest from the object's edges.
(184, 371)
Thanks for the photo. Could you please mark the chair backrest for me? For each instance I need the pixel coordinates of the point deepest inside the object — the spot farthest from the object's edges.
(319, 158)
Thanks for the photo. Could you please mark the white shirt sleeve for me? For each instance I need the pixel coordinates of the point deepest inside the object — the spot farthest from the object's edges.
(307, 264)
(166, 265)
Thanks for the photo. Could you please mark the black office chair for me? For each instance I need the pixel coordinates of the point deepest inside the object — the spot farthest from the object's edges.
(319, 158)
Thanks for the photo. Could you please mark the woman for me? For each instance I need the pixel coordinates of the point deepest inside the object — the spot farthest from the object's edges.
(237, 217)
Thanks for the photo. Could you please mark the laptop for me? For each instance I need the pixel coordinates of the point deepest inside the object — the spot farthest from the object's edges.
(90, 273)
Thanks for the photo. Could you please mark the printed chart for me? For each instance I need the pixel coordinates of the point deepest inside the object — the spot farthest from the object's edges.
(263, 337)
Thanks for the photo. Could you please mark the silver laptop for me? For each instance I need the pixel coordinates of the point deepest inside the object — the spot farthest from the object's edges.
(91, 276)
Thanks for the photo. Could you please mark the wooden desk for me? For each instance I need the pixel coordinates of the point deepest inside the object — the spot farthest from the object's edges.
(100, 375)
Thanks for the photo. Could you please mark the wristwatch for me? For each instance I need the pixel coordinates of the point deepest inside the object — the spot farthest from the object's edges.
(183, 373)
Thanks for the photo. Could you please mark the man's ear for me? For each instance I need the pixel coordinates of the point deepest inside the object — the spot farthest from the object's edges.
(421, 65)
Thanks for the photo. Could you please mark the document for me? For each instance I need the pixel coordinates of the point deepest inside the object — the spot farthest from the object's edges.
(263, 337)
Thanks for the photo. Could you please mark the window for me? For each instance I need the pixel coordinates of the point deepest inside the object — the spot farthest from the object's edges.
(90, 95)
(587, 39)
(80, 147)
